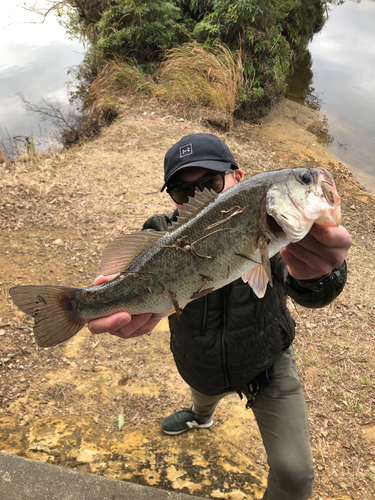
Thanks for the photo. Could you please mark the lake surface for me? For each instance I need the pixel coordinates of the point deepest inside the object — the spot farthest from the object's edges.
(338, 78)
(34, 60)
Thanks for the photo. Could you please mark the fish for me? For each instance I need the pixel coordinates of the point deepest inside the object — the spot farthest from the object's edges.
(216, 239)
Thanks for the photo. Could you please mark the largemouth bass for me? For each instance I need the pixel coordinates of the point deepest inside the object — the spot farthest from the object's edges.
(217, 239)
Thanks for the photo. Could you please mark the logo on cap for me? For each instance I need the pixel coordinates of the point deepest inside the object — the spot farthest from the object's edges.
(186, 150)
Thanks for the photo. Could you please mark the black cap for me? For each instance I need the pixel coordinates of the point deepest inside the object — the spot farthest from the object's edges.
(197, 150)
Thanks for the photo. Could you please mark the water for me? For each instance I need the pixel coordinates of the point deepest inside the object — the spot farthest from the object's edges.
(34, 60)
(338, 78)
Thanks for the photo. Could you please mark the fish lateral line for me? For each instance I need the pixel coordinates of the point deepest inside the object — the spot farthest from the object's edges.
(140, 274)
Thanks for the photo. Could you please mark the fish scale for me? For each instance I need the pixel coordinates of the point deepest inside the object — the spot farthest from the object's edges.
(216, 239)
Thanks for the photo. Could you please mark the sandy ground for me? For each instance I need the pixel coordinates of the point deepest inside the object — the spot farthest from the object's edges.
(62, 404)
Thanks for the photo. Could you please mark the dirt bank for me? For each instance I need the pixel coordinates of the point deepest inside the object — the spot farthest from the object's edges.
(62, 404)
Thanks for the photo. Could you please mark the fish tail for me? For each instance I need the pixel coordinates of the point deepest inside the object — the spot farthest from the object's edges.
(51, 308)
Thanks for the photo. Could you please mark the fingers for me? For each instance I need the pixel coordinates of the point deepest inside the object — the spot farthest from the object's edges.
(146, 328)
(304, 268)
(333, 237)
(323, 249)
(103, 279)
(311, 258)
(139, 325)
(111, 323)
(123, 325)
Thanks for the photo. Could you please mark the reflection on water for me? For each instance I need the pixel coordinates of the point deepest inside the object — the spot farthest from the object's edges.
(300, 84)
(44, 76)
(321, 131)
(34, 60)
(337, 77)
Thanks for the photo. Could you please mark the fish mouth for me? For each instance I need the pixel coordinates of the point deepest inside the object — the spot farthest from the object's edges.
(327, 190)
(274, 227)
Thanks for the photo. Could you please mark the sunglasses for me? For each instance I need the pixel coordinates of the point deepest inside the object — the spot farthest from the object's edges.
(181, 192)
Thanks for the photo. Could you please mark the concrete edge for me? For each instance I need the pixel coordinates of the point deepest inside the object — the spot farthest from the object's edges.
(25, 479)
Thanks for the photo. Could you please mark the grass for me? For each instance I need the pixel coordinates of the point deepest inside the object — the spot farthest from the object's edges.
(191, 75)
(118, 77)
(195, 75)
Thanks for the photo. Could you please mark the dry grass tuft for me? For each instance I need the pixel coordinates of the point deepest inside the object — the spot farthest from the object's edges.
(193, 74)
(118, 77)
(190, 74)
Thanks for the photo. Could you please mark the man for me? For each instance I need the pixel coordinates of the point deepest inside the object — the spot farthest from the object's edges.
(232, 341)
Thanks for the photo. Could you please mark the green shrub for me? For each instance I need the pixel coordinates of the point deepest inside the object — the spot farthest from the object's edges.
(140, 29)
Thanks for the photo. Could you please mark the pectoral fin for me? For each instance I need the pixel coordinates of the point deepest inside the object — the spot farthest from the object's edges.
(258, 280)
(258, 277)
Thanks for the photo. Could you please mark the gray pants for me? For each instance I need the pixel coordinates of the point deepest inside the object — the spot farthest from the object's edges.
(280, 412)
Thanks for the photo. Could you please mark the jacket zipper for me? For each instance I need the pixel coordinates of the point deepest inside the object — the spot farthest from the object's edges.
(204, 316)
(223, 339)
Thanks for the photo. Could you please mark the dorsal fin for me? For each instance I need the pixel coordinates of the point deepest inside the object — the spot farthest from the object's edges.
(120, 252)
(194, 206)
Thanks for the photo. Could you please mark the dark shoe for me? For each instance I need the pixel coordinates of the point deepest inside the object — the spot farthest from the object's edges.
(184, 420)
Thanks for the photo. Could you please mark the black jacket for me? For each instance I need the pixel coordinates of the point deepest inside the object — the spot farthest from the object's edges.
(222, 341)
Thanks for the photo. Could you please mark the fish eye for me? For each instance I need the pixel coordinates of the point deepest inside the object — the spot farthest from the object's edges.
(306, 178)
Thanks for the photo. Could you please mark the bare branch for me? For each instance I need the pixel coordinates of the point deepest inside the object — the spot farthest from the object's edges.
(41, 12)
(46, 111)
(78, 6)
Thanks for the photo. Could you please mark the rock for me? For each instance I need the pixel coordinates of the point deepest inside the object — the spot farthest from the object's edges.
(369, 434)
(142, 453)
(59, 242)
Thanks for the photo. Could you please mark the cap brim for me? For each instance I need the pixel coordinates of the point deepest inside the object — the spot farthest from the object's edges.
(217, 166)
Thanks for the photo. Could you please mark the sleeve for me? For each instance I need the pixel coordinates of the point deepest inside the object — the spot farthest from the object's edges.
(158, 222)
(305, 297)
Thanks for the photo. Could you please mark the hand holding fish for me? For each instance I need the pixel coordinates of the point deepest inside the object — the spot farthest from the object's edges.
(122, 324)
(318, 253)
